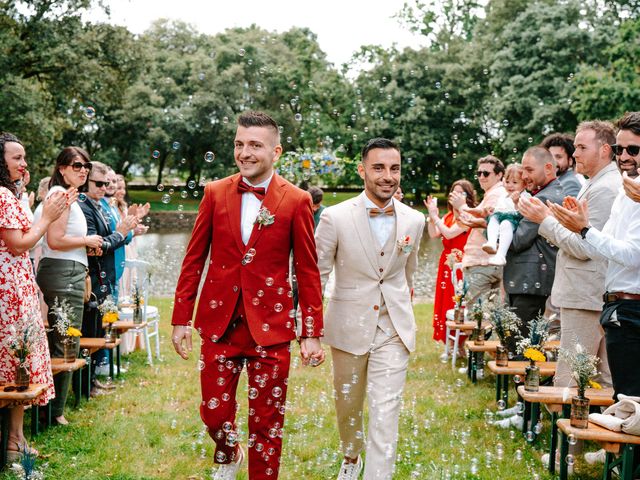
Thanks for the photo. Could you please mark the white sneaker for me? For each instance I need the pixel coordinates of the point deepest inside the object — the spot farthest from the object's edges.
(102, 370)
(462, 370)
(490, 248)
(595, 457)
(505, 423)
(228, 471)
(517, 421)
(497, 260)
(350, 471)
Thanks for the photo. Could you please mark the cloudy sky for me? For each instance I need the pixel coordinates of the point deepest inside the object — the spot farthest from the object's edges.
(342, 26)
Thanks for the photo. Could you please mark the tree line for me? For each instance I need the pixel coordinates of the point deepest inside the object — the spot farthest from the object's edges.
(496, 77)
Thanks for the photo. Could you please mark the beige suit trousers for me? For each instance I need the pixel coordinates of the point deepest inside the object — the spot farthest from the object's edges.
(583, 327)
(381, 374)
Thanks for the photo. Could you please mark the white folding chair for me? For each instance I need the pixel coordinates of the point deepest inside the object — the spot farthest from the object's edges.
(150, 326)
(454, 335)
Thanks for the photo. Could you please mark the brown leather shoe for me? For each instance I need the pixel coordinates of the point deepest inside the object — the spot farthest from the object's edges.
(98, 392)
(104, 386)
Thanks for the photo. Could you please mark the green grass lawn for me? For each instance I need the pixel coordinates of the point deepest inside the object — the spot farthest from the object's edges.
(150, 428)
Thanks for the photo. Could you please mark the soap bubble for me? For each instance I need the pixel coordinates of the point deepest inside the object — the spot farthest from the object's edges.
(501, 404)
(166, 198)
(155, 154)
(209, 157)
(175, 145)
(89, 112)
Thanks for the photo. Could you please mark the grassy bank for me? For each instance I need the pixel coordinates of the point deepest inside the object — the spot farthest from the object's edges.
(150, 428)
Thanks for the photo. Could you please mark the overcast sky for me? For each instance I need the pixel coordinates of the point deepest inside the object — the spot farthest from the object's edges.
(342, 26)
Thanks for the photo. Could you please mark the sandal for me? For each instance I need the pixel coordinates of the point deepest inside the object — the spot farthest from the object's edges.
(15, 454)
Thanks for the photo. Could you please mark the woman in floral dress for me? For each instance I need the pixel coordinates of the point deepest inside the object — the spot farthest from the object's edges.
(19, 306)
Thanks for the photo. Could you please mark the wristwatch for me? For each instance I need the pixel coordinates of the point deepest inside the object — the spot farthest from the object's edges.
(583, 232)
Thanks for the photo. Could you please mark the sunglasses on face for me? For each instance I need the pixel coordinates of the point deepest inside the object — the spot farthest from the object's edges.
(632, 150)
(77, 166)
(14, 388)
(100, 184)
(483, 173)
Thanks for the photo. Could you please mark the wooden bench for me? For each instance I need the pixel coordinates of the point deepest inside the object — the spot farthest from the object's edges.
(614, 443)
(10, 399)
(547, 369)
(553, 398)
(95, 344)
(476, 352)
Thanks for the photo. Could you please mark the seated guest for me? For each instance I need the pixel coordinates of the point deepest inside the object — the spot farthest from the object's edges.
(63, 267)
(101, 264)
(454, 237)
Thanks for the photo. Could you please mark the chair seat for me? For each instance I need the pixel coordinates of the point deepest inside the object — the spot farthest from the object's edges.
(126, 313)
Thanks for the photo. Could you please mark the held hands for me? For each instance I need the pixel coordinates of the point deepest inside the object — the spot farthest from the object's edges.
(631, 187)
(54, 206)
(93, 241)
(94, 252)
(181, 340)
(311, 351)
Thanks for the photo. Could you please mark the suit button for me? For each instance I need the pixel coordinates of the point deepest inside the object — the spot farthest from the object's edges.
(381, 270)
(381, 282)
(235, 288)
(376, 307)
(382, 254)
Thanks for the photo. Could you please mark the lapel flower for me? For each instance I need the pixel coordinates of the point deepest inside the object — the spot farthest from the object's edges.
(264, 218)
(404, 244)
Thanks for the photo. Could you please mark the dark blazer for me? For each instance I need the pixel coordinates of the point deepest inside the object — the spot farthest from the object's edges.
(98, 225)
(531, 259)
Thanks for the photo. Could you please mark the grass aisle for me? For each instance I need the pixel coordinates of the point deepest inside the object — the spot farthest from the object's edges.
(150, 428)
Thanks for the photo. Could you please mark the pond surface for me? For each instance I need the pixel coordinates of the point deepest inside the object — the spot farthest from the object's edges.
(165, 251)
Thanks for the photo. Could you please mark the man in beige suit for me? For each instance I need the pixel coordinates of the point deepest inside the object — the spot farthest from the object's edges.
(371, 242)
(579, 280)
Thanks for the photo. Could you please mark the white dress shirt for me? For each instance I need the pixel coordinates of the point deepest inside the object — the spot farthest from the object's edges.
(250, 208)
(381, 225)
(619, 242)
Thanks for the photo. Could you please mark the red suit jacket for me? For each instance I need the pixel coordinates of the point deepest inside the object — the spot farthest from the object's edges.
(259, 270)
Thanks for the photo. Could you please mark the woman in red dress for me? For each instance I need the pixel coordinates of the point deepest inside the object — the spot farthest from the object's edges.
(19, 305)
(454, 237)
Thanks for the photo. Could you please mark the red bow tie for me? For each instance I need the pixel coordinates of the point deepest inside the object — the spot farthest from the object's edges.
(259, 192)
(374, 212)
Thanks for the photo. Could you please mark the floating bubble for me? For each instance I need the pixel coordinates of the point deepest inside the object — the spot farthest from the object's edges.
(518, 455)
(276, 392)
(517, 379)
(89, 112)
(298, 117)
(175, 145)
(82, 198)
(103, 274)
(571, 439)
(209, 157)
(570, 460)
(501, 404)
(530, 436)
(268, 281)
(166, 198)
(265, 327)
(277, 307)
(242, 52)
(253, 393)
(221, 457)
(155, 154)
(191, 184)
(184, 194)
(213, 403)
(160, 187)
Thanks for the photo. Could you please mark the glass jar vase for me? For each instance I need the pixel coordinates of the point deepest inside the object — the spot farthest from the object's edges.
(70, 349)
(23, 375)
(478, 336)
(579, 412)
(532, 377)
(502, 356)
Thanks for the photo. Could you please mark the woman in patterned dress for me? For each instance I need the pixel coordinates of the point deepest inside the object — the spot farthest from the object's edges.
(19, 305)
(454, 237)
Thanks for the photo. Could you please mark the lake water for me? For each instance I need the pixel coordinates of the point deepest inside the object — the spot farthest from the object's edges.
(166, 250)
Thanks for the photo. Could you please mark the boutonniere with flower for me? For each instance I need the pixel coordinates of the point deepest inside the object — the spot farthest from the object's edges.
(404, 244)
(264, 218)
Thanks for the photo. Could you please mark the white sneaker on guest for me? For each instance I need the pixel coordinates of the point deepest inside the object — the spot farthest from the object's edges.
(505, 423)
(490, 248)
(350, 471)
(497, 260)
(509, 412)
(517, 421)
(102, 370)
(228, 471)
(595, 457)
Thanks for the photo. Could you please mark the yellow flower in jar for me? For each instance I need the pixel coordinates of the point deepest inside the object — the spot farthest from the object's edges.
(110, 317)
(535, 355)
(73, 332)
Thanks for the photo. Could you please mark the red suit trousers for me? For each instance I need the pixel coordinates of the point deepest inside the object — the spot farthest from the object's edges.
(267, 368)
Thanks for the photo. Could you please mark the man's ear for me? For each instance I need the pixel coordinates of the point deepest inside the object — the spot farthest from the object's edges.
(361, 170)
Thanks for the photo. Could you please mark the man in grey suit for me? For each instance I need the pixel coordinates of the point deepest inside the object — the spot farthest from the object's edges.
(529, 272)
(579, 280)
(561, 147)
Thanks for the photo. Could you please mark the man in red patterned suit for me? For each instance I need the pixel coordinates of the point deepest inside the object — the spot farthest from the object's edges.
(247, 226)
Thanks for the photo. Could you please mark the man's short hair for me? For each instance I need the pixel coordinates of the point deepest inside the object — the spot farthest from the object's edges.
(316, 195)
(541, 155)
(562, 140)
(605, 131)
(383, 143)
(629, 121)
(498, 166)
(253, 118)
(99, 168)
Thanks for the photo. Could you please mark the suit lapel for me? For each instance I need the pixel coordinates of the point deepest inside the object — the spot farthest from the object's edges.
(234, 210)
(100, 216)
(275, 194)
(361, 222)
(401, 223)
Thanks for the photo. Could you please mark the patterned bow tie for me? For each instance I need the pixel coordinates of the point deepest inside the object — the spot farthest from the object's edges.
(259, 192)
(374, 212)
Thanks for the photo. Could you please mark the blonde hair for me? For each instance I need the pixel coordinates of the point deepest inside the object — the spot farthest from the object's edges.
(513, 170)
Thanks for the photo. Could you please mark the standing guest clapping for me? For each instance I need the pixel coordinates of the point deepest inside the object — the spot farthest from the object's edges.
(63, 267)
(454, 237)
(19, 307)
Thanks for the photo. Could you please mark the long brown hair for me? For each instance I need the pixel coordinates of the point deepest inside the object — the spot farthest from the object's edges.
(467, 188)
(66, 157)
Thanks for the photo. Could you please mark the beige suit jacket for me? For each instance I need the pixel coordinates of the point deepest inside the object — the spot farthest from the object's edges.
(579, 280)
(346, 245)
